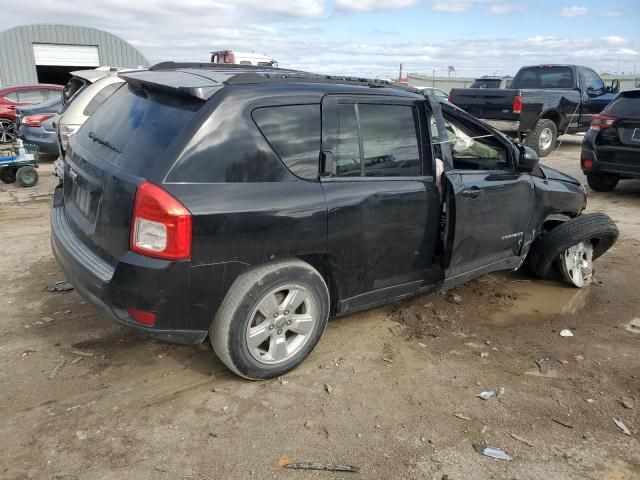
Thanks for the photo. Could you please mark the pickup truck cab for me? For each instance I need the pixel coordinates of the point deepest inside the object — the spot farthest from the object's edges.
(247, 205)
(542, 102)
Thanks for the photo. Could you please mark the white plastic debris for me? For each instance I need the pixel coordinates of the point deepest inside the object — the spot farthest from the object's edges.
(566, 333)
(486, 395)
(622, 426)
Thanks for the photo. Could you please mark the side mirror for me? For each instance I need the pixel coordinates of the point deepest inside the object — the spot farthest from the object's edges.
(528, 159)
(615, 86)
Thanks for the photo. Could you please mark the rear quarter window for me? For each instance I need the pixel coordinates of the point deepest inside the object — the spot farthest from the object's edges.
(293, 131)
(625, 106)
(99, 98)
(133, 128)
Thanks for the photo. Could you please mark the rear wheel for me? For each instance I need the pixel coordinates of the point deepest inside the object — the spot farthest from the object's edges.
(570, 248)
(602, 182)
(7, 131)
(8, 174)
(271, 319)
(27, 176)
(543, 137)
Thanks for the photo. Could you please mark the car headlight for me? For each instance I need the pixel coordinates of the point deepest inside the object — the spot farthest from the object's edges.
(65, 132)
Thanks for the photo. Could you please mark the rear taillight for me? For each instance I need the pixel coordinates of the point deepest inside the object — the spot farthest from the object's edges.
(601, 122)
(35, 120)
(142, 316)
(517, 104)
(450, 97)
(587, 164)
(160, 225)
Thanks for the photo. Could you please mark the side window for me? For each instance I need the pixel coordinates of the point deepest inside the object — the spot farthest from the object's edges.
(592, 81)
(13, 96)
(389, 140)
(31, 96)
(348, 146)
(472, 147)
(293, 132)
(99, 98)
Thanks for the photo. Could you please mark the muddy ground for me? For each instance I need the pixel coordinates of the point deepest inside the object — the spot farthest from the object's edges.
(404, 378)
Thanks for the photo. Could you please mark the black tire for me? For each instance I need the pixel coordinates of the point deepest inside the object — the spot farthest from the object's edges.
(8, 132)
(8, 174)
(228, 330)
(27, 176)
(598, 228)
(602, 182)
(533, 139)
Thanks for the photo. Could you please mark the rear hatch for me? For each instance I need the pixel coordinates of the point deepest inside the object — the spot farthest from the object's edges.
(486, 103)
(621, 143)
(126, 141)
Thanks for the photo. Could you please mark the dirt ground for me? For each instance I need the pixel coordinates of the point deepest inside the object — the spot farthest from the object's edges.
(403, 378)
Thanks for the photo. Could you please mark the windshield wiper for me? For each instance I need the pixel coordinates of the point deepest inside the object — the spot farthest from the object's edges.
(95, 138)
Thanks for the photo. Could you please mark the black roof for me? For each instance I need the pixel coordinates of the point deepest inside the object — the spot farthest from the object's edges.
(202, 80)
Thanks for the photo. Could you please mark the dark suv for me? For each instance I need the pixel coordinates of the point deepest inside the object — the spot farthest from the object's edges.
(251, 204)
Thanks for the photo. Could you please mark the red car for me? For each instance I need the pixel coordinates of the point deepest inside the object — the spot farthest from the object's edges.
(12, 97)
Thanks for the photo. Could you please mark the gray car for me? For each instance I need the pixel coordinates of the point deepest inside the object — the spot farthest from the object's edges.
(36, 125)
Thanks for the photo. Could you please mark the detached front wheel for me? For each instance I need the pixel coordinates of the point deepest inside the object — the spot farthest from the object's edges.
(271, 319)
(568, 251)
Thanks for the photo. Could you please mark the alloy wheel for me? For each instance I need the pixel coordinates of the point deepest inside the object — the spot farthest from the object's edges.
(7, 131)
(576, 264)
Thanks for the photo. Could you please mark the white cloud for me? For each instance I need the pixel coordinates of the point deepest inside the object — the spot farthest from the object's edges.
(370, 5)
(504, 8)
(615, 40)
(451, 6)
(574, 11)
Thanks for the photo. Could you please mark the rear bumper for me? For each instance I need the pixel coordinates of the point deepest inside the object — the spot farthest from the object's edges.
(623, 161)
(503, 125)
(43, 139)
(113, 288)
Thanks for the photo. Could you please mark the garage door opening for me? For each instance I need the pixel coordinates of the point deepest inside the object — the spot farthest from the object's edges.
(56, 74)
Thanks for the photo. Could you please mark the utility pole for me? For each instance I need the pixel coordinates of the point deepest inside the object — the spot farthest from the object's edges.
(433, 78)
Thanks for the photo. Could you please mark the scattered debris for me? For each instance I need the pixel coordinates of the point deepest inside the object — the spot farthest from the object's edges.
(27, 352)
(563, 360)
(627, 402)
(486, 395)
(500, 391)
(328, 388)
(492, 452)
(622, 426)
(82, 353)
(82, 435)
(67, 312)
(386, 359)
(328, 467)
(75, 360)
(578, 358)
(633, 326)
(560, 422)
(61, 286)
(484, 354)
(57, 369)
(521, 439)
(454, 298)
(308, 424)
(462, 417)
(544, 365)
(566, 333)
(47, 319)
(422, 345)
(284, 382)
(590, 400)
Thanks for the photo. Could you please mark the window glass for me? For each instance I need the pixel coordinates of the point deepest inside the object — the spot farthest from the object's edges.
(31, 96)
(99, 98)
(245, 62)
(294, 133)
(13, 96)
(592, 81)
(389, 140)
(625, 106)
(472, 147)
(348, 147)
(544, 77)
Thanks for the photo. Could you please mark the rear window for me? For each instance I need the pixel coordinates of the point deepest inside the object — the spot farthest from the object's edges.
(72, 87)
(134, 128)
(99, 98)
(484, 83)
(626, 106)
(294, 133)
(544, 77)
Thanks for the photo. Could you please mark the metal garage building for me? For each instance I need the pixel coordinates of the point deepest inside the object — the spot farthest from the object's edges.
(47, 53)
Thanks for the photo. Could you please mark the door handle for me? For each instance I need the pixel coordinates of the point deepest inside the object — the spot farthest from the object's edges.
(472, 192)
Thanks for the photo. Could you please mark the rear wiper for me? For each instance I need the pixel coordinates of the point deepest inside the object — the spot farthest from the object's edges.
(95, 138)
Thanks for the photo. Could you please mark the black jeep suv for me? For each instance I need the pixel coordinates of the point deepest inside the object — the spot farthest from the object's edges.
(251, 204)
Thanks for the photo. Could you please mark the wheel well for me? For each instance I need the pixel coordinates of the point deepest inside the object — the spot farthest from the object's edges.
(553, 116)
(552, 221)
(324, 264)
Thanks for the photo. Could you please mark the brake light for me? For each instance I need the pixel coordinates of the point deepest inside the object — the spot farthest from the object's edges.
(586, 163)
(517, 104)
(160, 225)
(601, 122)
(35, 120)
(450, 97)
(142, 316)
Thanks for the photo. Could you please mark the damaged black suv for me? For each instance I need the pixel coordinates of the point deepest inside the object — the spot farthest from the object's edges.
(248, 205)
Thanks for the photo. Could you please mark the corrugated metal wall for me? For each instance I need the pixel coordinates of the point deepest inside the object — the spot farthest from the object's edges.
(17, 65)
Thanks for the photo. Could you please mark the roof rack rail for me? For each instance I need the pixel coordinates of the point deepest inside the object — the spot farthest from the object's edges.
(173, 65)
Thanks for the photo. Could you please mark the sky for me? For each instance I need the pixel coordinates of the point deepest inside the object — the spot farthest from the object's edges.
(365, 37)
